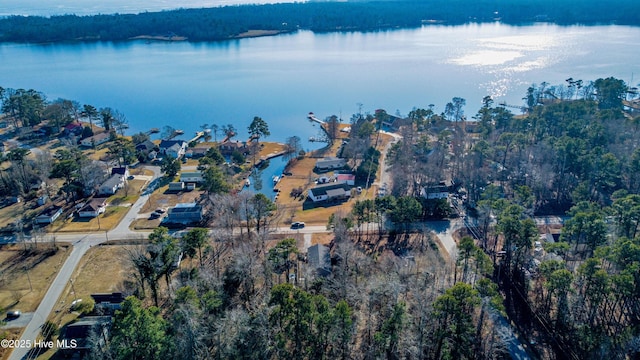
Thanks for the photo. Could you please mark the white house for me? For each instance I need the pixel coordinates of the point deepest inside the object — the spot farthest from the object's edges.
(111, 185)
(440, 191)
(96, 140)
(328, 192)
(49, 215)
(191, 177)
(93, 208)
(330, 163)
(173, 148)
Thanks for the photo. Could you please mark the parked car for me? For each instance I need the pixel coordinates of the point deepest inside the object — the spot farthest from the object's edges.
(13, 314)
(297, 225)
(160, 211)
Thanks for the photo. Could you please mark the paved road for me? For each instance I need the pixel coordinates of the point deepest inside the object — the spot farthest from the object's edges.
(81, 243)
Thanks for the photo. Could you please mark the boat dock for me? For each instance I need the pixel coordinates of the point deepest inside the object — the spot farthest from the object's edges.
(199, 134)
(312, 117)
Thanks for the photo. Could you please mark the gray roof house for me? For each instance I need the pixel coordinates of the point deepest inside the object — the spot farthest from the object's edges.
(191, 177)
(184, 213)
(330, 163)
(319, 259)
(49, 215)
(173, 148)
(329, 192)
(111, 185)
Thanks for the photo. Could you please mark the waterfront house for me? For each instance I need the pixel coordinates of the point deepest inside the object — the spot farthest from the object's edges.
(173, 148)
(96, 140)
(49, 215)
(330, 192)
(228, 147)
(191, 177)
(184, 213)
(196, 152)
(330, 163)
(73, 129)
(111, 185)
(93, 208)
(319, 259)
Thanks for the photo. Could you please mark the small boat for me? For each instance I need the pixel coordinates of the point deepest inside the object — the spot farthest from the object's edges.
(247, 182)
(276, 179)
(178, 132)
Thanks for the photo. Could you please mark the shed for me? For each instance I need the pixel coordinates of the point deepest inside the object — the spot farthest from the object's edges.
(176, 186)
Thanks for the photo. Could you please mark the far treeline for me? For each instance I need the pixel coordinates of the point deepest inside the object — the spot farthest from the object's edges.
(223, 23)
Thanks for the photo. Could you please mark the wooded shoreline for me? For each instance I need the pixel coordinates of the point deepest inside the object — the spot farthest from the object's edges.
(232, 22)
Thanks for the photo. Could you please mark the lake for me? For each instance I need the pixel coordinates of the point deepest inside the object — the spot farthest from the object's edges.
(282, 78)
(90, 7)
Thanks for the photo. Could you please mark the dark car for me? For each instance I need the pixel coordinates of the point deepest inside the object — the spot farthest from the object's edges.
(297, 225)
(14, 314)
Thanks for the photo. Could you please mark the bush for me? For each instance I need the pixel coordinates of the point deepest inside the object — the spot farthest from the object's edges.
(85, 307)
(49, 330)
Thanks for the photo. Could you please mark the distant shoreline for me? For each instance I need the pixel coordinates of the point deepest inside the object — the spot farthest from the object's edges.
(243, 21)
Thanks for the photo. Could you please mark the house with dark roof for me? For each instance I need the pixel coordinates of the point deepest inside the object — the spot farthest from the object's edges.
(108, 302)
(319, 258)
(120, 170)
(228, 147)
(184, 213)
(49, 215)
(93, 208)
(437, 191)
(330, 192)
(77, 337)
(173, 148)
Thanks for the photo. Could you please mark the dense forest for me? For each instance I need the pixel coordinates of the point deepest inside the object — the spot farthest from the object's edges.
(243, 292)
(230, 21)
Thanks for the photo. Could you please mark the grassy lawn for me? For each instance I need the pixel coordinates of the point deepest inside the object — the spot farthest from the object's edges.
(161, 198)
(117, 207)
(106, 221)
(103, 269)
(10, 214)
(22, 289)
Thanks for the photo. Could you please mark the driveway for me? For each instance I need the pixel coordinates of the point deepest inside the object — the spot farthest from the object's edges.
(20, 322)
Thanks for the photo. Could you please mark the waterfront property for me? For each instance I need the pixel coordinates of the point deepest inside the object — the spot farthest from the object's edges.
(184, 213)
(330, 163)
(330, 192)
(173, 148)
(96, 140)
(49, 215)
